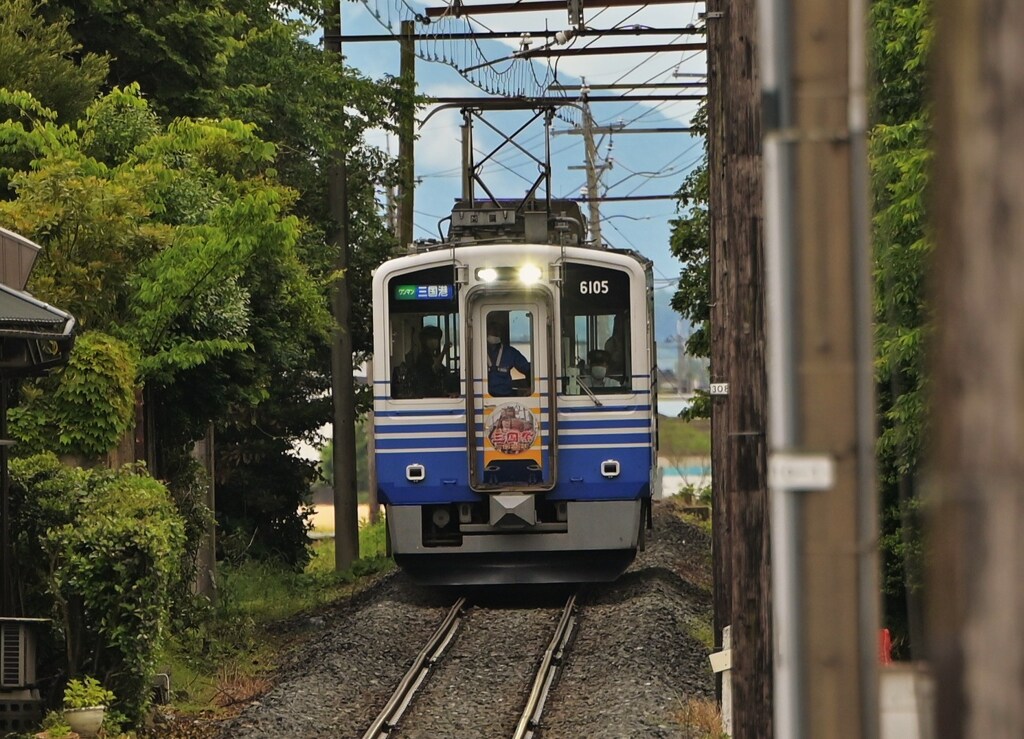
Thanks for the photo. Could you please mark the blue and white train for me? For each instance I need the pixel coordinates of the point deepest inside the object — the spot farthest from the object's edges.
(546, 478)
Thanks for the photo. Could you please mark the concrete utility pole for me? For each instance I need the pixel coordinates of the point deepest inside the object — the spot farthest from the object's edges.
(593, 176)
(346, 502)
(822, 410)
(738, 419)
(976, 475)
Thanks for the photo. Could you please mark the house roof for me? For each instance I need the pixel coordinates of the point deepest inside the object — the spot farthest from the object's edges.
(34, 337)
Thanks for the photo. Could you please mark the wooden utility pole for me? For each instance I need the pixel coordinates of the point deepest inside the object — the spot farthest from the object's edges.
(976, 478)
(739, 451)
(406, 134)
(822, 410)
(720, 359)
(346, 502)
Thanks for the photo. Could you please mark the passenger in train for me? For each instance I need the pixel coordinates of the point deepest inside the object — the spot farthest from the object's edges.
(598, 377)
(616, 345)
(501, 359)
(429, 377)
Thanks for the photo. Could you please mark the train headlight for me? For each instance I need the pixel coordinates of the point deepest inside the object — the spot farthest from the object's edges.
(529, 274)
(487, 274)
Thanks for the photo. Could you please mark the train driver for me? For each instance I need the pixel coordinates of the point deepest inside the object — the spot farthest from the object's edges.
(430, 377)
(598, 377)
(501, 359)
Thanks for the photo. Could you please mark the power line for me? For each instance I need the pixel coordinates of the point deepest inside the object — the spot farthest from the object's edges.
(534, 5)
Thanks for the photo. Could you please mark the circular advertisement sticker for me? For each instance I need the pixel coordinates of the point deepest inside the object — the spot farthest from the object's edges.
(513, 428)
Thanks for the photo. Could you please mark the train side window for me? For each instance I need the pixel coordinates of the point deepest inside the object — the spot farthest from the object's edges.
(423, 310)
(595, 331)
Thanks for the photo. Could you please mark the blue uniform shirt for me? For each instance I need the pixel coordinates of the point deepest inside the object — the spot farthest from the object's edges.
(500, 361)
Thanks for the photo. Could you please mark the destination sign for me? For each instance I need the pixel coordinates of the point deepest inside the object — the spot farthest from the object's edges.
(424, 292)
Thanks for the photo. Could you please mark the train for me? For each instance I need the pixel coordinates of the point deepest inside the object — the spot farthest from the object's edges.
(514, 396)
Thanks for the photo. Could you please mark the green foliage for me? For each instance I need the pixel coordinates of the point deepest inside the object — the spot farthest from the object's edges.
(55, 726)
(690, 243)
(87, 692)
(116, 124)
(174, 50)
(681, 438)
(900, 157)
(42, 59)
(234, 638)
(202, 241)
(101, 551)
(84, 409)
(362, 458)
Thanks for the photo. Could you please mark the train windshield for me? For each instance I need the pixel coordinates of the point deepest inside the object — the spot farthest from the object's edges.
(595, 331)
(423, 309)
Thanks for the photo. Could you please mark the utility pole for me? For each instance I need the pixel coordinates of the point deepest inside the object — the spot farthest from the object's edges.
(821, 388)
(593, 177)
(346, 502)
(739, 451)
(406, 134)
(975, 478)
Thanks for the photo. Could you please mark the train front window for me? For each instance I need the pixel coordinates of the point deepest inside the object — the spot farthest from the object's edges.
(509, 352)
(423, 310)
(595, 331)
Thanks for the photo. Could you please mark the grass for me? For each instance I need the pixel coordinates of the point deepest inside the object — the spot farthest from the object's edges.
(702, 630)
(225, 657)
(700, 719)
(680, 438)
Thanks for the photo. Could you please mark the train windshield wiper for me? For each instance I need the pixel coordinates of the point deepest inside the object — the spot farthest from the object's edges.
(590, 392)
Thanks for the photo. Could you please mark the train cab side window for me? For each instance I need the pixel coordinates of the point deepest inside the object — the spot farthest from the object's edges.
(595, 331)
(423, 318)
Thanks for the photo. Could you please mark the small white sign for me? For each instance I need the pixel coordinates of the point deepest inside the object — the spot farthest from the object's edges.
(719, 388)
(801, 472)
(721, 661)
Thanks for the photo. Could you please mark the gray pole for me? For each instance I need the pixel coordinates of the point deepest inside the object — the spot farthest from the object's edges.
(346, 512)
(975, 480)
(593, 178)
(821, 406)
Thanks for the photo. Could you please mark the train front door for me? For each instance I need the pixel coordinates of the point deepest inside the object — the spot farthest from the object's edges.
(511, 395)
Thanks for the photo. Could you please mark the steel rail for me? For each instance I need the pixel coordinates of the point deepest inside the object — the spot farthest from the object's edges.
(548, 671)
(388, 718)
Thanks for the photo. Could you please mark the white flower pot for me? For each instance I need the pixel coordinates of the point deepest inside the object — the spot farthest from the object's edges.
(85, 722)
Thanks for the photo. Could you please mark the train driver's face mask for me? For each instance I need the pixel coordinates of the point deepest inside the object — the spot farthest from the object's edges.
(598, 372)
(493, 340)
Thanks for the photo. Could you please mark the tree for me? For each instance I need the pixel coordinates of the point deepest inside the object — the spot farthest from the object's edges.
(39, 58)
(224, 335)
(185, 233)
(690, 243)
(174, 50)
(901, 40)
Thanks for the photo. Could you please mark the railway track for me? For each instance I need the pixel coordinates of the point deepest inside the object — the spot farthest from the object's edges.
(497, 663)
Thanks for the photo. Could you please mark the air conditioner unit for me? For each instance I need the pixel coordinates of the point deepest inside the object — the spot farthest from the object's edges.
(17, 654)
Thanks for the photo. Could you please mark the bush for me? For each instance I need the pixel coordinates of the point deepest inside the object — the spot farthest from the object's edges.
(90, 403)
(102, 552)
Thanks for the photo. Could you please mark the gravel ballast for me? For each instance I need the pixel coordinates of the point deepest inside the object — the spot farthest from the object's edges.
(638, 656)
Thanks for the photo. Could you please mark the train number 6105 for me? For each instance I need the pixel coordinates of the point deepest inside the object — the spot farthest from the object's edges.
(594, 287)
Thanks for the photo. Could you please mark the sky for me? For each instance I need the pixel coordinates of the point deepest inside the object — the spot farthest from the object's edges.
(641, 164)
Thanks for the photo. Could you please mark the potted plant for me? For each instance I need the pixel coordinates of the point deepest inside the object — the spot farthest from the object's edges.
(85, 702)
